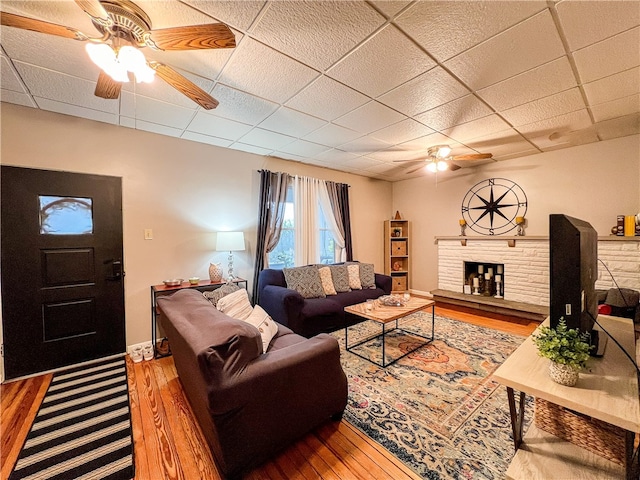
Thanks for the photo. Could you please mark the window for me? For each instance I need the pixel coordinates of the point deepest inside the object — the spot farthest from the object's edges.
(283, 256)
(65, 215)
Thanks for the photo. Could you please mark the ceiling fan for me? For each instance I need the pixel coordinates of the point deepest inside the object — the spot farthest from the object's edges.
(125, 29)
(439, 159)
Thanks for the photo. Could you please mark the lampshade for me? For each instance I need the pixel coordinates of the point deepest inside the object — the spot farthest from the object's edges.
(230, 241)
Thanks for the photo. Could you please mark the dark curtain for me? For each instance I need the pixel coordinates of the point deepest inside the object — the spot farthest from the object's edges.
(273, 194)
(342, 190)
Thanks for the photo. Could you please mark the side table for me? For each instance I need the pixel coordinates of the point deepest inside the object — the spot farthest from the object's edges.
(160, 290)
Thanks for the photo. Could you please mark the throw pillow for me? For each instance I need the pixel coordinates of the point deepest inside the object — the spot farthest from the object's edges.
(340, 276)
(305, 280)
(327, 281)
(265, 325)
(236, 305)
(367, 275)
(218, 293)
(354, 277)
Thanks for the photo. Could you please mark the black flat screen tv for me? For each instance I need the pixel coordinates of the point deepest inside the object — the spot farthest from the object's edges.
(573, 252)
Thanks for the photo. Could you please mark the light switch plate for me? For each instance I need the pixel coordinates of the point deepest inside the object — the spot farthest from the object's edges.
(148, 234)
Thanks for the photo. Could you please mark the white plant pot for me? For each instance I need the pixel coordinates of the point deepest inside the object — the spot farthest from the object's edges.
(563, 374)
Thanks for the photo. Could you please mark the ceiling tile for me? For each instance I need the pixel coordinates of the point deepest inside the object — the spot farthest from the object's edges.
(458, 111)
(63, 88)
(363, 145)
(547, 79)
(23, 99)
(161, 90)
(327, 99)
(332, 135)
(538, 132)
(76, 111)
(291, 122)
(204, 63)
(615, 86)
(380, 54)
(335, 157)
(149, 127)
(304, 148)
(155, 111)
(266, 139)
(61, 12)
(369, 117)
(390, 7)
(251, 149)
(211, 125)
(236, 14)
(502, 144)
(317, 33)
(422, 144)
(425, 92)
(254, 66)
(402, 131)
(395, 155)
(446, 28)
(616, 108)
(476, 128)
(619, 127)
(241, 106)
(551, 106)
(610, 56)
(518, 49)
(200, 138)
(10, 79)
(585, 23)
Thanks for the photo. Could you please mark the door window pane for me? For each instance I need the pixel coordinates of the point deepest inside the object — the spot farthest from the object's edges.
(65, 215)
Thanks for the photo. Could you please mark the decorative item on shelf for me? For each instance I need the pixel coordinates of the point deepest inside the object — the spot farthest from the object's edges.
(173, 282)
(520, 221)
(397, 266)
(629, 226)
(488, 285)
(194, 280)
(568, 350)
(230, 242)
(476, 286)
(463, 227)
(396, 232)
(392, 301)
(397, 217)
(215, 272)
(498, 286)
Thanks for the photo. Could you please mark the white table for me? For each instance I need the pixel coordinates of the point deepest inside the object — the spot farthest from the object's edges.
(607, 390)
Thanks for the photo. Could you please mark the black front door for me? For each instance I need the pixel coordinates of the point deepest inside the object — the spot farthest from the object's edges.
(62, 272)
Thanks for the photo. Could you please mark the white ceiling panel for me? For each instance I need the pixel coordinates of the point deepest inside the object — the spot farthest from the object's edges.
(353, 85)
(318, 33)
(254, 66)
(327, 99)
(380, 53)
(458, 111)
(425, 92)
(520, 48)
(542, 81)
(585, 23)
(458, 26)
(610, 56)
(615, 86)
(370, 117)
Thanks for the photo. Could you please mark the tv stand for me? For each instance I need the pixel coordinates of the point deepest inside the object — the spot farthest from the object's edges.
(606, 390)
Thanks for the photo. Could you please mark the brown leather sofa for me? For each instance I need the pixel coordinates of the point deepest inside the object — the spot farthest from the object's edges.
(250, 405)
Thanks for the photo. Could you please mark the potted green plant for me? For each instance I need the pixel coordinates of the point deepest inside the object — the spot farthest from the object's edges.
(567, 348)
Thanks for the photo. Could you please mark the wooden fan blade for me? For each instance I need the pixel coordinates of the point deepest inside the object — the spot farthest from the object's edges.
(472, 156)
(408, 161)
(453, 167)
(184, 85)
(17, 21)
(96, 11)
(107, 87)
(214, 35)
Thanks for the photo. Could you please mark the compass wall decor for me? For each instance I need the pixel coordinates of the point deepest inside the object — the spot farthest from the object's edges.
(491, 206)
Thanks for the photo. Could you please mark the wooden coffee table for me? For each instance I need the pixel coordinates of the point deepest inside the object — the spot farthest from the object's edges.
(385, 315)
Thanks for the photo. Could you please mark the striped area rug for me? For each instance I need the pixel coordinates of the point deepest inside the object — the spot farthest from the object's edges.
(83, 427)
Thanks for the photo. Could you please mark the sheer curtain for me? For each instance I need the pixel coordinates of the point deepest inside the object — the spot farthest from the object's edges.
(273, 195)
(339, 197)
(306, 193)
(333, 217)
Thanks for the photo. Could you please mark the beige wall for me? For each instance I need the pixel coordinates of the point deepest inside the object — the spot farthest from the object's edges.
(594, 182)
(185, 191)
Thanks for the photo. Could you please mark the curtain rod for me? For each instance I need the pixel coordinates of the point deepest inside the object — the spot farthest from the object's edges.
(337, 183)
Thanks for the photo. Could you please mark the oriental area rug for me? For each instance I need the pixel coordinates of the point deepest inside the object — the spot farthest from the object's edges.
(438, 409)
(83, 427)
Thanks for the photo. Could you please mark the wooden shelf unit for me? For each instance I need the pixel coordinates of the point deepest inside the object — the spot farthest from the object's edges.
(397, 253)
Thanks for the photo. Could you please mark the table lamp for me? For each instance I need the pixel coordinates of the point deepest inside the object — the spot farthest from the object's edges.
(230, 242)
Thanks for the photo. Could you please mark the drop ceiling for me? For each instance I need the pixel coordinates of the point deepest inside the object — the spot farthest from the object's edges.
(357, 86)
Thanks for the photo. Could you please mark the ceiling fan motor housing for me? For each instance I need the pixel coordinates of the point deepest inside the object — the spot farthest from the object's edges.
(130, 22)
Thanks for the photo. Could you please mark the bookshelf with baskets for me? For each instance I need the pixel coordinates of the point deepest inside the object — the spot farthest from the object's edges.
(396, 253)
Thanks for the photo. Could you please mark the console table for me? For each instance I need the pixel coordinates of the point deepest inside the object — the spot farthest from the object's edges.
(159, 290)
(607, 390)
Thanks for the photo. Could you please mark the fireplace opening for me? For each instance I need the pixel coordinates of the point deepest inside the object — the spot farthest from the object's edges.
(484, 278)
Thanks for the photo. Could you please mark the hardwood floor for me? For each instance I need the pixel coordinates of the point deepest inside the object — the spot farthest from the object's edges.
(169, 443)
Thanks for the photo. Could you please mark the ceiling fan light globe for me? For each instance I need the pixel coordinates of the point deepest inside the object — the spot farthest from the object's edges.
(442, 165)
(443, 151)
(145, 74)
(432, 167)
(131, 58)
(101, 54)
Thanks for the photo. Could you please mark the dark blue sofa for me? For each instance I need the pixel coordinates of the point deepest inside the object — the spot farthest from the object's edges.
(310, 316)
